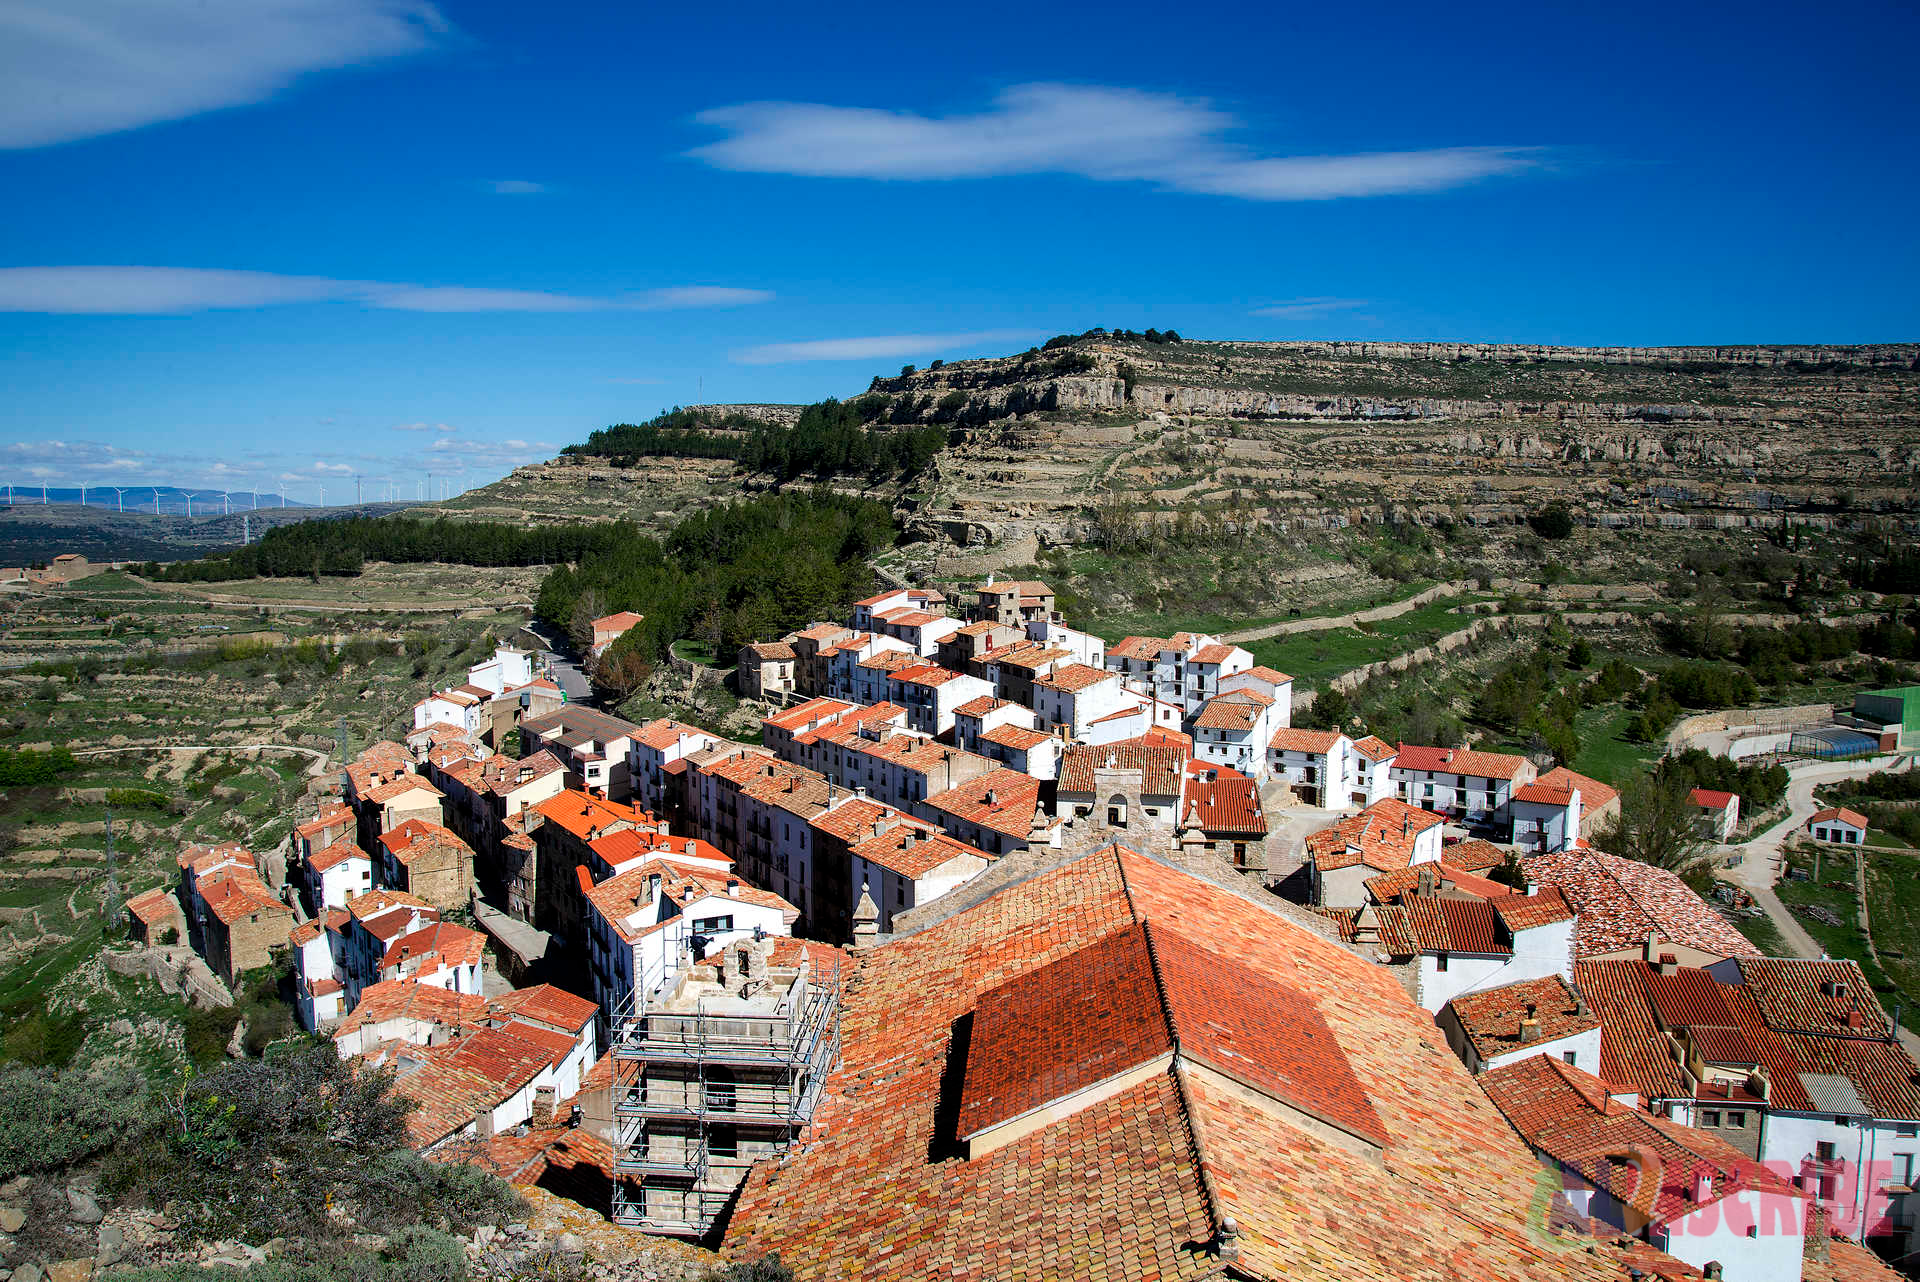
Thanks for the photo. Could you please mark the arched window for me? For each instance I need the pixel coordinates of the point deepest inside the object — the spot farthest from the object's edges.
(1116, 811)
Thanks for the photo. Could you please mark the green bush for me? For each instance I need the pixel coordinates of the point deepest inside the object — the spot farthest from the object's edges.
(412, 1254)
(51, 1120)
(1552, 522)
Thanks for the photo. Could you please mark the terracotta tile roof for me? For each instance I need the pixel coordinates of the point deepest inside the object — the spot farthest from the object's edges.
(1215, 653)
(1593, 793)
(233, 893)
(624, 619)
(788, 952)
(339, 852)
(664, 733)
(1015, 587)
(1389, 886)
(1374, 749)
(204, 859)
(1566, 1114)
(415, 838)
(1389, 922)
(1793, 997)
(1634, 1051)
(156, 905)
(1847, 1262)
(1002, 800)
(331, 819)
(454, 945)
(1527, 912)
(1491, 1018)
(1382, 836)
(913, 852)
(1539, 794)
(545, 1004)
(1235, 710)
(1031, 655)
(772, 651)
(927, 674)
(853, 820)
(1621, 901)
(1161, 765)
(889, 660)
(1019, 738)
(409, 999)
(1441, 925)
(1148, 648)
(981, 706)
(381, 794)
(1841, 813)
(1297, 739)
(1126, 1188)
(1219, 799)
(588, 817)
(1712, 798)
(811, 712)
(304, 933)
(1074, 677)
(1272, 676)
(1460, 761)
(1475, 855)
(824, 632)
(633, 843)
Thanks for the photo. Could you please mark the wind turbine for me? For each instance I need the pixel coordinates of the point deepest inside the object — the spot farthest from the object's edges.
(43, 493)
(156, 500)
(83, 496)
(323, 494)
(225, 510)
(119, 497)
(190, 496)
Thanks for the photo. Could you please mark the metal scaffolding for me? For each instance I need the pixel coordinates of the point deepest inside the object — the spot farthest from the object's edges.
(699, 1095)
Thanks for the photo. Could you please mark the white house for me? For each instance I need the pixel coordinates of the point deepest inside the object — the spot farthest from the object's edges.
(508, 669)
(1031, 752)
(339, 873)
(1719, 813)
(1385, 837)
(1074, 696)
(1206, 669)
(844, 676)
(910, 864)
(1138, 715)
(650, 922)
(977, 716)
(922, 632)
(1840, 825)
(1235, 728)
(1492, 1027)
(1685, 1191)
(1459, 782)
(1084, 647)
(931, 695)
(1316, 764)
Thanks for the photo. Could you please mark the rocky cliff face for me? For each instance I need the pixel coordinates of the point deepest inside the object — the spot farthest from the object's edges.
(1302, 435)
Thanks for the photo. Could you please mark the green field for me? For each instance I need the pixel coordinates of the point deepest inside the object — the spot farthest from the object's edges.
(1835, 892)
(1893, 906)
(1313, 658)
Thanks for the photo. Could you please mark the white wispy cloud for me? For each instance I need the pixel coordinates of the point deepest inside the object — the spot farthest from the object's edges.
(1309, 306)
(1105, 134)
(162, 290)
(73, 69)
(424, 427)
(516, 187)
(322, 468)
(854, 349)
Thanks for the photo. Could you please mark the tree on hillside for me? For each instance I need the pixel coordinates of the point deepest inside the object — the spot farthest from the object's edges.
(587, 607)
(1552, 522)
(624, 667)
(1655, 825)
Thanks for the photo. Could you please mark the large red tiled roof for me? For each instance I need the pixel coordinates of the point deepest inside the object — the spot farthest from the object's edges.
(1136, 1185)
(1139, 648)
(1382, 836)
(587, 816)
(1566, 1114)
(1235, 710)
(1219, 799)
(1794, 996)
(913, 852)
(664, 733)
(1003, 800)
(1374, 749)
(1160, 764)
(1445, 925)
(233, 893)
(1621, 901)
(1459, 761)
(1712, 798)
(1074, 677)
(155, 905)
(545, 1004)
(1492, 1017)
(1593, 793)
(1300, 739)
(453, 944)
(1475, 855)
(1526, 912)
(1389, 886)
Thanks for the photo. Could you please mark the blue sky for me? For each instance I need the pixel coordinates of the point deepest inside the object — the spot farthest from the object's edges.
(282, 242)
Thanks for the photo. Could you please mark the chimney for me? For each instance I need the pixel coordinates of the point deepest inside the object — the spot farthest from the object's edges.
(544, 1106)
(1712, 1271)
(866, 922)
(733, 887)
(1702, 1185)
(1667, 964)
(1529, 1027)
(1425, 880)
(1855, 1020)
(1649, 949)
(653, 885)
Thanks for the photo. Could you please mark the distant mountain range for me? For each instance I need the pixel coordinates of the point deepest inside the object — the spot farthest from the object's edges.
(33, 532)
